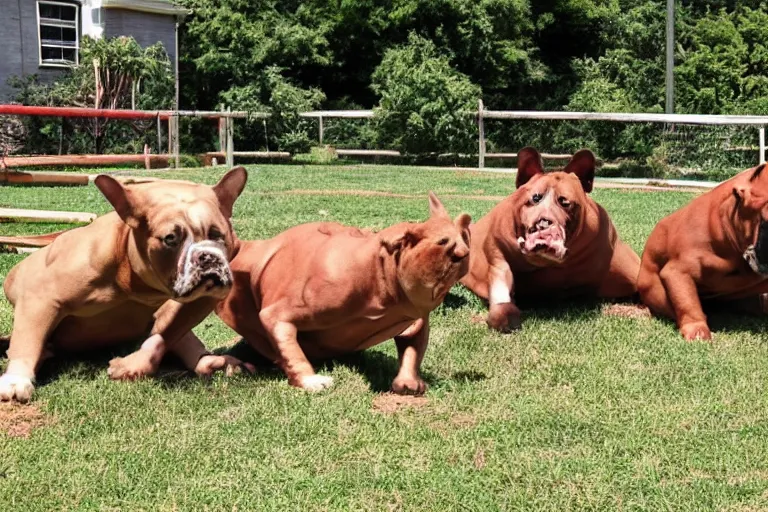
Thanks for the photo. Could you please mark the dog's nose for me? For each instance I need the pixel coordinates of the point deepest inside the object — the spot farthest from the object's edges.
(459, 253)
(204, 259)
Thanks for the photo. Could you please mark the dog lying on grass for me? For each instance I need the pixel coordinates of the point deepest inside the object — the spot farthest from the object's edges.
(548, 239)
(110, 282)
(714, 249)
(322, 290)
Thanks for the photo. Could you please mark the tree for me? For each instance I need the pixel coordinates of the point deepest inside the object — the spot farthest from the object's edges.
(425, 104)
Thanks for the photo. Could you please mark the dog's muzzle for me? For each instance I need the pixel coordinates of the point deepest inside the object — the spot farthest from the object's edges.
(546, 239)
(205, 269)
(757, 255)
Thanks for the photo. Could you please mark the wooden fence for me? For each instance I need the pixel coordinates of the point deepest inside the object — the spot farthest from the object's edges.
(227, 117)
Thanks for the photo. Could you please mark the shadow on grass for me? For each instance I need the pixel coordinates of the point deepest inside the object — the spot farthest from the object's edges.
(377, 368)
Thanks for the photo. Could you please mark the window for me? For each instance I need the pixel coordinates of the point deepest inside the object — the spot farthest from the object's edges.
(59, 33)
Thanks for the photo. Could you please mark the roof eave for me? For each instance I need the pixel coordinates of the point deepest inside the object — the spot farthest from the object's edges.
(149, 6)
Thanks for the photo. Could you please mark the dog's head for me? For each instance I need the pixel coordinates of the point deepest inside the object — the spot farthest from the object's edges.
(181, 231)
(750, 191)
(549, 208)
(431, 256)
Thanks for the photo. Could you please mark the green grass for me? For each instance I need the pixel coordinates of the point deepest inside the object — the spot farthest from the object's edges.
(579, 410)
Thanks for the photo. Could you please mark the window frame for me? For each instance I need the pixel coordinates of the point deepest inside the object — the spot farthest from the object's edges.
(57, 64)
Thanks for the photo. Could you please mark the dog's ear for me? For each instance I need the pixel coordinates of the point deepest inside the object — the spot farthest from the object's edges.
(463, 221)
(582, 164)
(229, 188)
(436, 208)
(120, 198)
(529, 164)
(395, 244)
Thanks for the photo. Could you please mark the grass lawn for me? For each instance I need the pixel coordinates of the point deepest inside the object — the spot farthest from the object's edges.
(579, 410)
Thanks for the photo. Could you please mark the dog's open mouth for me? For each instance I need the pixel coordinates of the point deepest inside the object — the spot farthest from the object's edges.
(757, 254)
(750, 255)
(545, 239)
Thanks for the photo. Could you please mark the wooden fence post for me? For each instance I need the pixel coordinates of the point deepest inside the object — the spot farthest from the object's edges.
(223, 133)
(173, 140)
(762, 145)
(320, 118)
(230, 140)
(159, 136)
(481, 141)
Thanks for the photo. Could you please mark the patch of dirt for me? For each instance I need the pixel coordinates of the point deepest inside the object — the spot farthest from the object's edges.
(18, 420)
(477, 318)
(626, 311)
(479, 458)
(463, 420)
(390, 403)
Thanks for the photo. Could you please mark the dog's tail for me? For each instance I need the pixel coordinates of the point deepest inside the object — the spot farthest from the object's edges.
(14, 243)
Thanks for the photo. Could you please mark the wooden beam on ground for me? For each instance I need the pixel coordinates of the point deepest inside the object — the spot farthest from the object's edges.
(366, 152)
(43, 178)
(19, 215)
(85, 160)
(26, 243)
(220, 156)
(544, 156)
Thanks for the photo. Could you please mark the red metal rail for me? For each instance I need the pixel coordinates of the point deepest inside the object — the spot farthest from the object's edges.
(25, 110)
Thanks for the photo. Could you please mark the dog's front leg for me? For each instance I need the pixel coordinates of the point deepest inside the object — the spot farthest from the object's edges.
(684, 297)
(172, 332)
(503, 313)
(291, 358)
(411, 346)
(34, 321)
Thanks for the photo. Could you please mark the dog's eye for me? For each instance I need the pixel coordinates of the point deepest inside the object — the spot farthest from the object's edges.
(563, 202)
(442, 241)
(171, 240)
(215, 235)
(536, 198)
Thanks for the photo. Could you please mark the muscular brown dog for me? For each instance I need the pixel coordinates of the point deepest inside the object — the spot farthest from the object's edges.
(548, 239)
(110, 282)
(321, 290)
(714, 248)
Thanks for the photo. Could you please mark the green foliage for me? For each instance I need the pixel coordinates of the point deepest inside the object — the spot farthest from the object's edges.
(318, 155)
(283, 100)
(425, 104)
(113, 73)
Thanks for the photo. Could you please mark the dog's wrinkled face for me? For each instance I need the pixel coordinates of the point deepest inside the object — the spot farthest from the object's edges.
(431, 256)
(182, 232)
(751, 196)
(549, 207)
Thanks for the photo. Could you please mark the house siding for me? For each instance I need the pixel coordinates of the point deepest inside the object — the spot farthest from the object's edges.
(20, 44)
(19, 41)
(146, 28)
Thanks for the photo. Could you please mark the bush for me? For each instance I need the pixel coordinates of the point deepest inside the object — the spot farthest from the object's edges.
(425, 103)
(280, 97)
(318, 155)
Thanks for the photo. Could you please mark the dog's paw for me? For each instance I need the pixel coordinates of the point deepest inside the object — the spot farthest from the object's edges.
(409, 386)
(209, 364)
(504, 317)
(696, 331)
(131, 367)
(16, 387)
(315, 382)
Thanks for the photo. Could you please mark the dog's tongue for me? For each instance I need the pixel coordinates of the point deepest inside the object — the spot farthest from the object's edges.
(550, 240)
